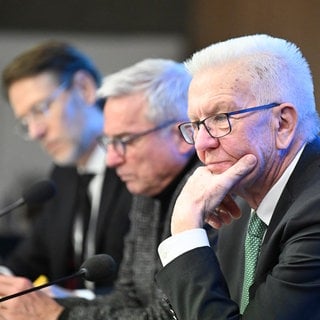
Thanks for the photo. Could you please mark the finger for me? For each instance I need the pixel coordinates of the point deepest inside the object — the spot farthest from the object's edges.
(235, 173)
(229, 205)
(220, 218)
(214, 222)
(218, 186)
(204, 192)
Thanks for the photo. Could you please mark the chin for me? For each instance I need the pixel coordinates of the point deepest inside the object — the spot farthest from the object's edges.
(219, 168)
(137, 189)
(133, 189)
(64, 161)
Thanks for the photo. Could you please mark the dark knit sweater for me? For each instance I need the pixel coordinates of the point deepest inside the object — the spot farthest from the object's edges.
(136, 295)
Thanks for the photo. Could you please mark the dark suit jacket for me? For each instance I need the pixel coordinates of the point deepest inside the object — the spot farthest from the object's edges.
(136, 297)
(202, 285)
(47, 249)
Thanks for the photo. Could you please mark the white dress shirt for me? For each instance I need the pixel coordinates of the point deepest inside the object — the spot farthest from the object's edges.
(180, 243)
(96, 165)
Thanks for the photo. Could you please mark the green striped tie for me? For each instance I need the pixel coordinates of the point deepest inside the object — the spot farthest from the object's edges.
(253, 241)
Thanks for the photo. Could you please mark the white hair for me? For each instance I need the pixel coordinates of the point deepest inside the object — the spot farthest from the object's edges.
(276, 69)
(164, 83)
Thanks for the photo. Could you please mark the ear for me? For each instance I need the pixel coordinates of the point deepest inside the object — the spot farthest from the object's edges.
(183, 147)
(287, 118)
(86, 84)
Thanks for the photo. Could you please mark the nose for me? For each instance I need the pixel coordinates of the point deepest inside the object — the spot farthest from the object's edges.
(36, 129)
(204, 141)
(113, 158)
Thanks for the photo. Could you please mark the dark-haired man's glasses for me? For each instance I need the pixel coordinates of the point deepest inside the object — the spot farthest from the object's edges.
(217, 125)
(37, 113)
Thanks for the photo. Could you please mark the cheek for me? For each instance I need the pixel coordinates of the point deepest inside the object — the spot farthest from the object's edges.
(251, 135)
(72, 113)
(147, 161)
(201, 155)
(135, 162)
(257, 141)
(72, 123)
(233, 147)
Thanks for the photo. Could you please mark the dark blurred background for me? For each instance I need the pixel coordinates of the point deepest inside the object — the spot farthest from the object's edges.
(199, 22)
(117, 33)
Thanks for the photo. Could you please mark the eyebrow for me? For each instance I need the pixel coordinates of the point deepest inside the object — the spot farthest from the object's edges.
(220, 107)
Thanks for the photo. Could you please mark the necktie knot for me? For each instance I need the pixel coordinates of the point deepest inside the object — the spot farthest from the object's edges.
(256, 226)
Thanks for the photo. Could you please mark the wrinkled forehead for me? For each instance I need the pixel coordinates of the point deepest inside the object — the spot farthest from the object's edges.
(235, 75)
(125, 114)
(218, 88)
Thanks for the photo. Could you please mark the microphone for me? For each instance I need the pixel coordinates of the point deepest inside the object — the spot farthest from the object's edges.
(37, 193)
(93, 269)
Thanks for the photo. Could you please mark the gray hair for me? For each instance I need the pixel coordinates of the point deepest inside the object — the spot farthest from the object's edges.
(164, 83)
(276, 70)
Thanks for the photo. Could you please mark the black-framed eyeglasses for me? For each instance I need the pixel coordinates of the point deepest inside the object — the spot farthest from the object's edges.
(38, 112)
(120, 143)
(217, 125)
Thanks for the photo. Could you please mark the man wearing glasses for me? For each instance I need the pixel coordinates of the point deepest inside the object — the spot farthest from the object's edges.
(145, 104)
(52, 91)
(254, 124)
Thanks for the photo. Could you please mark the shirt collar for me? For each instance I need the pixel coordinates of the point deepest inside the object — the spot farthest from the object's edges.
(96, 162)
(269, 202)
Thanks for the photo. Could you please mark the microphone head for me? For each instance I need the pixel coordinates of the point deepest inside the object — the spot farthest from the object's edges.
(98, 267)
(39, 192)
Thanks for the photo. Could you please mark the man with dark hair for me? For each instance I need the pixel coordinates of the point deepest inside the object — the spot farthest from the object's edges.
(52, 91)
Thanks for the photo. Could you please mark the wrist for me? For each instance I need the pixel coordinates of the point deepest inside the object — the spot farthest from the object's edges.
(64, 314)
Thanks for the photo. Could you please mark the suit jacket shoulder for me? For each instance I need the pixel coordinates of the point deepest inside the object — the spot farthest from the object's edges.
(287, 280)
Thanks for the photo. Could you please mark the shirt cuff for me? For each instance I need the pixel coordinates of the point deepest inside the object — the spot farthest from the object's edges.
(180, 243)
(5, 271)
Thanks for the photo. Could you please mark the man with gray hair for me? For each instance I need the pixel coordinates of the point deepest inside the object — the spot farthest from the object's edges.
(145, 103)
(254, 125)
